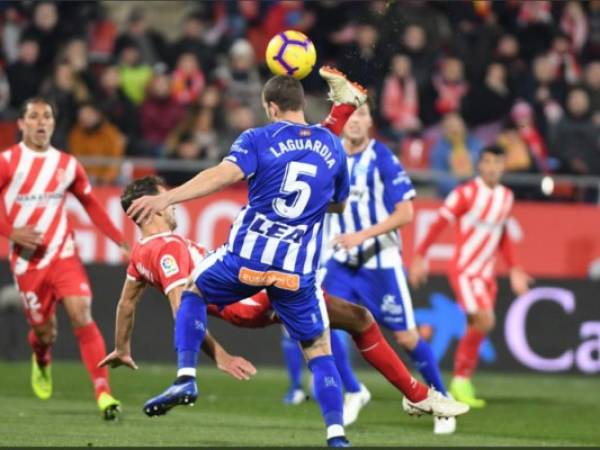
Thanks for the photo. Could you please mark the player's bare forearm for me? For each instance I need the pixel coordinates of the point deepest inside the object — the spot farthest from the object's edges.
(132, 291)
(403, 215)
(211, 347)
(206, 182)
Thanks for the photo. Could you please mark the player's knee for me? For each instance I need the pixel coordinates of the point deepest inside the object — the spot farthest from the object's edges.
(407, 339)
(362, 317)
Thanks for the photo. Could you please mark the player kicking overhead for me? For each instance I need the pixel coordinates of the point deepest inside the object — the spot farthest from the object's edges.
(366, 266)
(165, 260)
(35, 179)
(296, 172)
(481, 208)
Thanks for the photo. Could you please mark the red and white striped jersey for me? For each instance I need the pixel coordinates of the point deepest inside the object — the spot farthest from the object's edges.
(33, 188)
(164, 260)
(480, 214)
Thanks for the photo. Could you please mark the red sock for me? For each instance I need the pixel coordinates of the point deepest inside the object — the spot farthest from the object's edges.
(93, 350)
(43, 354)
(375, 349)
(467, 353)
(337, 118)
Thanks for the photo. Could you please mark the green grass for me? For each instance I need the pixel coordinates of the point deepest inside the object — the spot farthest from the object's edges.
(523, 410)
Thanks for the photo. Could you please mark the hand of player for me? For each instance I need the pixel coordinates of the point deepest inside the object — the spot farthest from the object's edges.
(26, 237)
(349, 240)
(520, 281)
(418, 272)
(116, 359)
(143, 208)
(236, 366)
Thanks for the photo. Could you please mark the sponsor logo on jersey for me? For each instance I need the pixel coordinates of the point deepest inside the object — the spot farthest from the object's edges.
(389, 305)
(277, 230)
(169, 265)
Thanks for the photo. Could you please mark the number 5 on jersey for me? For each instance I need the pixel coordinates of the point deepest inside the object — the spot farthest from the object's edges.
(292, 185)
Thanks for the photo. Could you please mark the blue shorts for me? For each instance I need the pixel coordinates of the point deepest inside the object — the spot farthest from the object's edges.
(224, 278)
(384, 292)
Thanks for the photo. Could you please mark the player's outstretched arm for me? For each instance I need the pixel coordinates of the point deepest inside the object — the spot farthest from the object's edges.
(236, 366)
(402, 215)
(205, 183)
(121, 355)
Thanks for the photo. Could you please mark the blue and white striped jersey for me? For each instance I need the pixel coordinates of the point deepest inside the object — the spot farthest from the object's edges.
(377, 182)
(293, 171)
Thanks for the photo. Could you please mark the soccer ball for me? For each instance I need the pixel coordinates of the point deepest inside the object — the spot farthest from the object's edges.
(291, 53)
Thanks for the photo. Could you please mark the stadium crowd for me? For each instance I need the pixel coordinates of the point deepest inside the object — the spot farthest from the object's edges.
(447, 77)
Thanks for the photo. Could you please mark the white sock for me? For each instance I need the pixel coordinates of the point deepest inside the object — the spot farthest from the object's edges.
(335, 431)
(186, 372)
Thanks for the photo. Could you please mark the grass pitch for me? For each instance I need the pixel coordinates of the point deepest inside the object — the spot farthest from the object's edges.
(523, 410)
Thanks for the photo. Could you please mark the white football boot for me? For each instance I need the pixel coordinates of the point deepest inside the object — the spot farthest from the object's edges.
(354, 402)
(342, 90)
(435, 404)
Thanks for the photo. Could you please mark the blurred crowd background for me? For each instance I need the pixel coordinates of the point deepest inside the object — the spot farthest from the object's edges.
(131, 80)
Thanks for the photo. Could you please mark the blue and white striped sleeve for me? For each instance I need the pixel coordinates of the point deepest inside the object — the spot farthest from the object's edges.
(243, 153)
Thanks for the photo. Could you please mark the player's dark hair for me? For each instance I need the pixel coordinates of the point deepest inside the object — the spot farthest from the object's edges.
(493, 150)
(285, 91)
(140, 187)
(37, 99)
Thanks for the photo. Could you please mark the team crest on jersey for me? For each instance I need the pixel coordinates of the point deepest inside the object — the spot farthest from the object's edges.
(169, 265)
(304, 132)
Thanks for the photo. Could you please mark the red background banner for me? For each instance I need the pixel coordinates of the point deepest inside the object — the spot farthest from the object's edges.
(552, 240)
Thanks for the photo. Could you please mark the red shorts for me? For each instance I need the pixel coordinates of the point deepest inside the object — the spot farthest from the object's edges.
(41, 289)
(253, 312)
(474, 293)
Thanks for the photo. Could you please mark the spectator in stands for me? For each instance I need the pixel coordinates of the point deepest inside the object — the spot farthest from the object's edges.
(23, 75)
(592, 84)
(201, 124)
(11, 33)
(575, 140)
(536, 26)
(400, 97)
(46, 32)
(523, 116)
(360, 60)
(75, 54)
(518, 157)
(187, 80)
(118, 109)
(573, 23)
(490, 101)
(151, 43)
(159, 114)
(193, 30)
(591, 51)
(94, 136)
(239, 78)
(545, 91)
(564, 59)
(186, 150)
(134, 73)
(4, 92)
(456, 153)
(446, 92)
(508, 53)
(238, 120)
(66, 91)
(415, 45)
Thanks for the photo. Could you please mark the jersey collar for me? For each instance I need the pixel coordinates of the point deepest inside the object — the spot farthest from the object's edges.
(154, 236)
(33, 152)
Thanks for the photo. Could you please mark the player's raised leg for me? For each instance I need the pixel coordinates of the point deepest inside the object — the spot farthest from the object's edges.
(373, 347)
(345, 95)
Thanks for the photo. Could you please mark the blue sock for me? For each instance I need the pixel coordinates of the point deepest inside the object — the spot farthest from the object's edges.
(190, 329)
(294, 360)
(423, 357)
(339, 347)
(328, 392)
